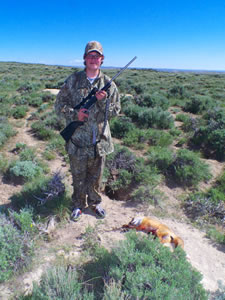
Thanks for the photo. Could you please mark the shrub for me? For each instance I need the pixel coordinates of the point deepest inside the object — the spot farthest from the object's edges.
(15, 249)
(124, 171)
(47, 97)
(126, 100)
(177, 91)
(48, 155)
(159, 138)
(57, 144)
(25, 88)
(23, 219)
(160, 100)
(146, 174)
(188, 169)
(200, 206)
(55, 85)
(121, 126)
(43, 107)
(121, 158)
(92, 242)
(3, 164)
(24, 170)
(175, 132)
(215, 235)
(142, 268)
(46, 195)
(20, 146)
(149, 117)
(220, 184)
(6, 131)
(155, 118)
(50, 120)
(124, 179)
(139, 88)
(210, 136)
(35, 100)
(182, 141)
(19, 112)
(182, 117)
(216, 142)
(133, 111)
(208, 205)
(27, 154)
(191, 124)
(120, 165)
(41, 131)
(135, 138)
(60, 283)
(160, 157)
(147, 194)
(153, 100)
(198, 104)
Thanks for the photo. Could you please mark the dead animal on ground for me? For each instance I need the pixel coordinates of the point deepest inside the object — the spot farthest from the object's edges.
(149, 225)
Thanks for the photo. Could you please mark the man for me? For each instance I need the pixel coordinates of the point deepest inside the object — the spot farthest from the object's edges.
(92, 141)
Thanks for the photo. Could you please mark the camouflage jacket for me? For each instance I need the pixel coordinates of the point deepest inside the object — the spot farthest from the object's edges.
(75, 88)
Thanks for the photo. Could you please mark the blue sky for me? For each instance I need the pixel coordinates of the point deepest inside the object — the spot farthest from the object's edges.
(162, 34)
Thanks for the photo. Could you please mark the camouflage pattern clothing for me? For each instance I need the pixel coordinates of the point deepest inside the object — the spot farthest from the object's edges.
(89, 144)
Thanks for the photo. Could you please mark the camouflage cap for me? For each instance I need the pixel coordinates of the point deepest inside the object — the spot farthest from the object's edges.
(93, 46)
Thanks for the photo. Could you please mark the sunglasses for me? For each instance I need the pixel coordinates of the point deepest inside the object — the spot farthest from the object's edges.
(89, 56)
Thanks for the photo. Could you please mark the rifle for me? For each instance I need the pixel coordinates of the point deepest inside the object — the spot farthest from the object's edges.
(87, 103)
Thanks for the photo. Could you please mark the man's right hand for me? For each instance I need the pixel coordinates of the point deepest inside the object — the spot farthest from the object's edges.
(83, 115)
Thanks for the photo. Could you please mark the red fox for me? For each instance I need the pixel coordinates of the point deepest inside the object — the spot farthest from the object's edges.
(158, 229)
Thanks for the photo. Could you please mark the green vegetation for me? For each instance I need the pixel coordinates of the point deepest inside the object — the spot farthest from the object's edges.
(16, 244)
(125, 172)
(188, 169)
(151, 101)
(26, 167)
(6, 131)
(46, 195)
(26, 170)
(209, 134)
(59, 283)
(138, 268)
(208, 205)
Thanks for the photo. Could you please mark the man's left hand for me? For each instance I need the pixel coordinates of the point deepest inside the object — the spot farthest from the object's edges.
(101, 95)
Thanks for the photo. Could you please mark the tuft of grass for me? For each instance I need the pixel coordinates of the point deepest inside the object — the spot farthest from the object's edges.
(216, 235)
(16, 247)
(6, 131)
(59, 283)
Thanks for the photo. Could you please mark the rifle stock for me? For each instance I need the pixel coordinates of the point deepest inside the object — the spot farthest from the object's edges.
(87, 103)
(68, 131)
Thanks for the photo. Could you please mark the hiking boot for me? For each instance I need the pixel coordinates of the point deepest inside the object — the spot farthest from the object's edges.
(99, 211)
(76, 213)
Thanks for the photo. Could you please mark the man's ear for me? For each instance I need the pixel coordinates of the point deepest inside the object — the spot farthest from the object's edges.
(102, 59)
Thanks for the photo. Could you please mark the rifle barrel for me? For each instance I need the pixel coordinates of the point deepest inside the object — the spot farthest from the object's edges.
(124, 68)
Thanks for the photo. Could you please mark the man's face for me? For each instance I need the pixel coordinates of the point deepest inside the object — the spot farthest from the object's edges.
(93, 60)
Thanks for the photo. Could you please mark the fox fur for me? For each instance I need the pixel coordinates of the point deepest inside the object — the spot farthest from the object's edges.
(164, 233)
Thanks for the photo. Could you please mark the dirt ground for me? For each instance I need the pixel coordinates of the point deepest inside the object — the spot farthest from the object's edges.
(66, 240)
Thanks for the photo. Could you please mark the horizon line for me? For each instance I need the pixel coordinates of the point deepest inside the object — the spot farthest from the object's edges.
(114, 67)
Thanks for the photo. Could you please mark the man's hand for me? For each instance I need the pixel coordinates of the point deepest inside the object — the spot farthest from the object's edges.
(101, 95)
(82, 115)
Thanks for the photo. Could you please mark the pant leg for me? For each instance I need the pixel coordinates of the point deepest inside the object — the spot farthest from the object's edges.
(79, 166)
(94, 177)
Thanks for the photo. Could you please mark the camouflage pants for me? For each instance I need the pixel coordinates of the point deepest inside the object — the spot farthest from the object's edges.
(87, 175)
